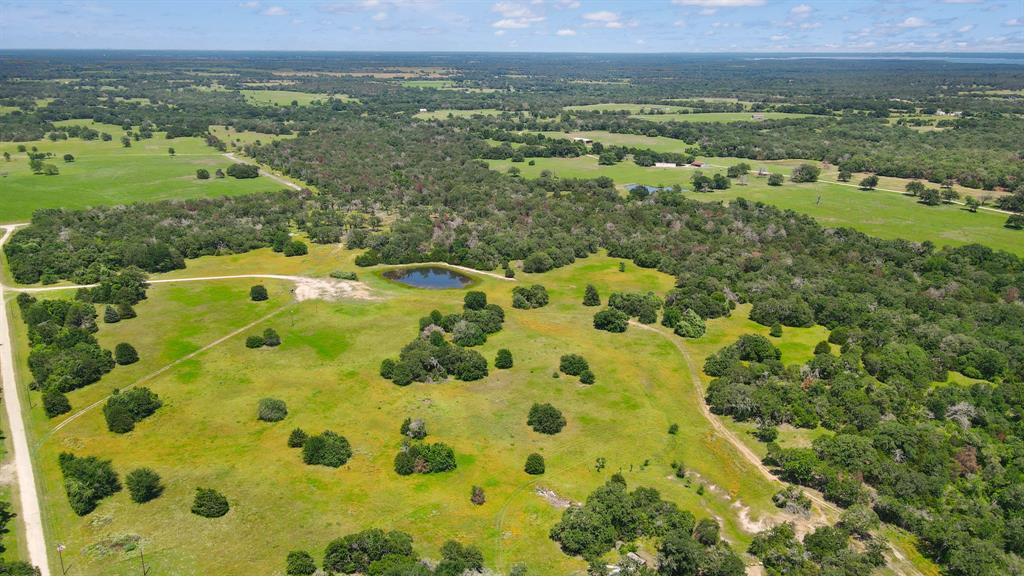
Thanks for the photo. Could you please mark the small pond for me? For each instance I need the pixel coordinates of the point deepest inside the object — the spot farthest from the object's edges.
(432, 277)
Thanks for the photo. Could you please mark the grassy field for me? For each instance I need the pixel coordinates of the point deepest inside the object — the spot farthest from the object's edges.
(656, 143)
(445, 112)
(105, 173)
(876, 212)
(624, 107)
(237, 138)
(284, 97)
(207, 434)
(717, 117)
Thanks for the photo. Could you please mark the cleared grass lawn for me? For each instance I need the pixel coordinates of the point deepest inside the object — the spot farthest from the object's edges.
(327, 371)
(624, 107)
(285, 97)
(656, 143)
(235, 138)
(105, 173)
(445, 112)
(879, 213)
(718, 116)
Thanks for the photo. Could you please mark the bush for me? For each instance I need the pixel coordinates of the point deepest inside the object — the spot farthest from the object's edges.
(124, 409)
(689, 325)
(270, 338)
(424, 459)
(326, 449)
(355, 552)
(611, 320)
(297, 438)
(776, 331)
(258, 293)
(87, 481)
(468, 334)
(272, 410)
(241, 171)
(775, 179)
(534, 464)
(673, 429)
(805, 173)
(538, 262)
(504, 359)
(343, 275)
(203, 174)
(415, 429)
(209, 503)
(474, 300)
(591, 297)
(55, 403)
(110, 315)
(300, 563)
(387, 369)
(546, 419)
(125, 311)
(587, 377)
(524, 298)
(143, 485)
(573, 364)
(124, 354)
(254, 341)
(476, 496)
(1015, 222)
(296, 248)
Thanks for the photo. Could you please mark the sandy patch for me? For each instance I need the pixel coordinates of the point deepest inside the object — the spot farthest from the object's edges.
(330, 289)
(8, 473)
(553, 498)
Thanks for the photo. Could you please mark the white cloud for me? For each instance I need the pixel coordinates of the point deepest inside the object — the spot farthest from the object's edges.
(380, 16)
(719, 3)
(1015, 22)
(250, 5)
(515, 16)
(568, 3)
(778, 37)
(499, 33)
(965, 29)
(602, 16)
(510, 24)
(709, 12)
(913, 22)
(275, 11)
(614, 25)
(801, 11)
(566, 32)
(810, 25)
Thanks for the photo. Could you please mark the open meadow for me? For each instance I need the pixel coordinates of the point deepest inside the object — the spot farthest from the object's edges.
(207, 434)
(107, 173)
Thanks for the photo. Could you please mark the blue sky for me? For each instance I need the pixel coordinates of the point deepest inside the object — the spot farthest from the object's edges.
(520, 25)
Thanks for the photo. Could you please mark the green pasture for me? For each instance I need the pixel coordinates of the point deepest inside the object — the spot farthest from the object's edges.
(236, 138)
(624, 107)
(656, 143)
(718, 116)
(285, 97)
(443, 113)
(876, 212)
(105, 173)
(327, 371)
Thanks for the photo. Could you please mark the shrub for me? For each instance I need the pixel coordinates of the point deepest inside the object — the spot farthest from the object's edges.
(591, 297)
(354, 553)
(297, 438)
(546, 419)
(270, 338)
(143, 485)
(203, 174)
(124, 354)
(272, 410)
(343, 275)
(300, 563)
(209, 503)
(124, 409)
(776, 331)
(258, 293)
(468, 334)
(125, 311)
(775, 179)
(673, 429)
(689, 325)
(476, 496)
(387, 368)
(254, 341)
(504, 359)
(87, 480)
(296, 248)
(538, 262)
(1015, 222)
(611, 320)
(524, 298)
(822, 348)
(110, 315)
(573, 364)
(534, 464)
(706, 532)
(587, 377)
(475, 300)
(326, 449)
(424, 459)
(415, 429)
(805, 173)
(55, 403)
(241, 171)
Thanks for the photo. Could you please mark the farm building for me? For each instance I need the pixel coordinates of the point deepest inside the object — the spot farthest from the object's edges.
(665, 164)
(582, 139)
(697, 164)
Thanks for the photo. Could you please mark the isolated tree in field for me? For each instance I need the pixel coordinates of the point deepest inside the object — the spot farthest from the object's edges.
(209, 503)
(844, 175)
(110, 315)
(69, 158)
(573, 364)
(143, 485)
(930, 197)
(587, 377)
(415, 429)
(297, 438)
(775, 179)
(869, 182)
(776, 331)
(271, 338)
(218, 173)
(538, 262)
(949, 195)
(258, 293)
(546, 419)
(972, 203)
(534, 464)
(126, 142)
(87, 480)
(125, 353)
(300, 563)
(271, 410)
(242, 171)
(611, 320)
(474, 300)
(7, 156)
(203, 174)
(915, 187)
(171, 151)
(476, 496)
(805, 173)
(504, 359)
(326, 449)
(50, 170)
(55, 403)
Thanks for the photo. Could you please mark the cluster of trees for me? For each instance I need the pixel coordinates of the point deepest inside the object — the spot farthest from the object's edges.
(529, 297)
(643, 307)
(614, 514)
(87, 480)
(269, 338)
(424, 458)
(325, 449)
(64, 354)
(826, 549)
(124, 410)
(701, 182)
(375, 552)
(576, 365)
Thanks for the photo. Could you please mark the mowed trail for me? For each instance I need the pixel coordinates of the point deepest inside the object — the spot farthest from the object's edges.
(29, 514)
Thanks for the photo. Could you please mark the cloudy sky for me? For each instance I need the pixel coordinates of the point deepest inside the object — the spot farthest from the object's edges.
(519, 25)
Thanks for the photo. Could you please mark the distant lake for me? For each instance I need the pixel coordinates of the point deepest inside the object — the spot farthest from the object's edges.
(430, 277)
